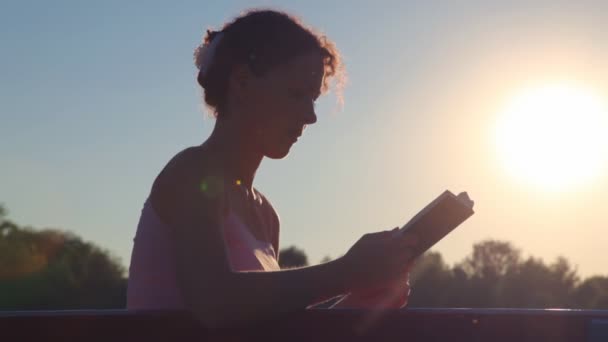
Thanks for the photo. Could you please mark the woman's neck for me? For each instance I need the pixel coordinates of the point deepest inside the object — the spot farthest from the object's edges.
(233, 151)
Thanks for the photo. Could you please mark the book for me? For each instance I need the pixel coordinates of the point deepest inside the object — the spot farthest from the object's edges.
(438, 219)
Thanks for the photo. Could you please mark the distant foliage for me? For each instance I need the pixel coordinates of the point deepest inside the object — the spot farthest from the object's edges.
(325, 259)
(51, 269)
(292, 257)
(592, 293)
(495, 275)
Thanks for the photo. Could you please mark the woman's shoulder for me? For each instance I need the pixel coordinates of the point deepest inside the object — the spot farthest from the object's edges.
(178, 170)
(188, 179)
(189, 161)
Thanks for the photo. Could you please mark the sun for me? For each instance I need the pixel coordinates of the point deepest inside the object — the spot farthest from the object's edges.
(554, 136)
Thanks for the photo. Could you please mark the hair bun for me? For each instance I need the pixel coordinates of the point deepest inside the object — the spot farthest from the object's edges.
(203, 54)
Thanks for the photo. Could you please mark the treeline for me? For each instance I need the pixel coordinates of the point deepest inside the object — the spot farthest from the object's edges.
(496, 275)
(53, 269)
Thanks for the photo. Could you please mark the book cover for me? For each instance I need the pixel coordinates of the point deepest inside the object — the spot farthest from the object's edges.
(438, 219)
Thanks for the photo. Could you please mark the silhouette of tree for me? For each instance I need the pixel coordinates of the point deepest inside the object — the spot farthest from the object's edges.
(491, 259)
(532, 284)
(325, 259)
(489, 262)
(52, 269)
(494, 275)
(292, 257)
(428, 279)
(3, 212)
(592, 293)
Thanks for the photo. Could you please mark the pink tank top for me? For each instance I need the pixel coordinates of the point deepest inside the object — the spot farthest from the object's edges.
(152, 276)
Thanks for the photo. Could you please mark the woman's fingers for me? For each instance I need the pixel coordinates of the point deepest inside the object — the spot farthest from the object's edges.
(409, 239)
(382, 235)
(406, 249)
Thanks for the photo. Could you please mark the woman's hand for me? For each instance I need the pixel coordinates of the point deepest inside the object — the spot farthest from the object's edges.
(392, 295)
(379, 260)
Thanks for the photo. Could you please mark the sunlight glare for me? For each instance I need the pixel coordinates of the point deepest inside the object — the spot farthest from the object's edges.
(554, 136)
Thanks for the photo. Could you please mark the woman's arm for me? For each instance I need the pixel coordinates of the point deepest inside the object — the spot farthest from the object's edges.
(210, 289)
(218, 296)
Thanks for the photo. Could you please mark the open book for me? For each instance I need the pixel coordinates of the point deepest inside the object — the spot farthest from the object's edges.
(438, 218)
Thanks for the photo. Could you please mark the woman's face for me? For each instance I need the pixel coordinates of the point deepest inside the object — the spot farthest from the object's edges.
(281, 104)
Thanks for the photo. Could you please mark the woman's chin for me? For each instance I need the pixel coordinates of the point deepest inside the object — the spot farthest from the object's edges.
(280, 152)
(278, 155)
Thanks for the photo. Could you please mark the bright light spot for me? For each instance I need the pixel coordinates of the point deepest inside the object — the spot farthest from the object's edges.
(554, 136)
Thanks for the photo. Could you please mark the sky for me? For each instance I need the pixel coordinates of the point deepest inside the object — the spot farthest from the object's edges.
(96, 96)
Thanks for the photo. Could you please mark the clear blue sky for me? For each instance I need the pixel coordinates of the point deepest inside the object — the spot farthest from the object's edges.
(95, 97)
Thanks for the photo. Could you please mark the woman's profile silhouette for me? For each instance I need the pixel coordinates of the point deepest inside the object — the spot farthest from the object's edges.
(208, 240)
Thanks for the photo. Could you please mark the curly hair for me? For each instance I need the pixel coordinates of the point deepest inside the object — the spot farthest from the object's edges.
(261, 39)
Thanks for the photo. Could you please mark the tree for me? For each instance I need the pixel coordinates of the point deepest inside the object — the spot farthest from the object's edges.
(428, 279)
(53, 269)
(483, 272)
(592, 293)
(491, 259)
(532, 284)
(326, 259)
(494, 275)
(292, 257)
(3, 212)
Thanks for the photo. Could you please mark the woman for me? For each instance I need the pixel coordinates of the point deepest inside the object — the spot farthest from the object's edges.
(207, 240)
